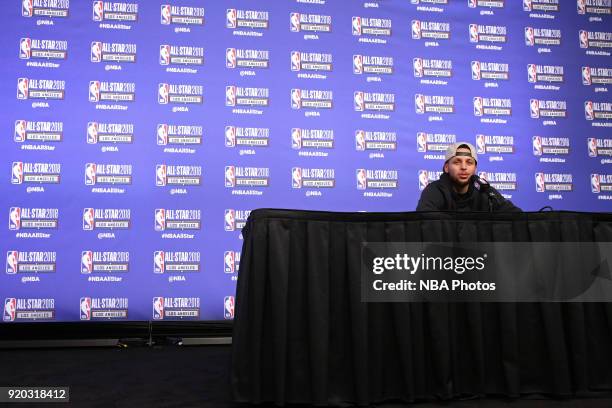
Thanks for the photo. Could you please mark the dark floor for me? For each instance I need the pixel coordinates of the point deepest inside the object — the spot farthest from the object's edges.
(167, 376)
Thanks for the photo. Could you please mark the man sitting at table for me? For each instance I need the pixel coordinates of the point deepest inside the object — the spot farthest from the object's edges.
(460, 188)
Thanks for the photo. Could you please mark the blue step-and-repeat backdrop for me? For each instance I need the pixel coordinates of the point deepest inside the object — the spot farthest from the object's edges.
(137, 136)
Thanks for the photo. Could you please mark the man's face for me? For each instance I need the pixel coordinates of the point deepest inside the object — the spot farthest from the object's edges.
(461, 168)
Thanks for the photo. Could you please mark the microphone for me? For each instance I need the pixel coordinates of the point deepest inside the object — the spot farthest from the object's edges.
(484, 186)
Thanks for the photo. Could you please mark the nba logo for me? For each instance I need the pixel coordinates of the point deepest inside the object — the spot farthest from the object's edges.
(417, 64)
(534, 108)
(96, 51)
(537, 145)
(421, 142)
(88, 219)
(474, 33)
(90, 174)
(416, 29)
(230, 176)
(229, 262)
(98, 11)
(295, 61)
(10, 307)
(230, 136)
(92, 132)
(529, 36)
(27, 8)
(160, 219)
(230, 219)
(230, 95)
(20, 131)
(163, 92)
(296, 177)
(472, 3)
(160, 175)
(481, 147)
(586, 75)
(581, 6)
(230, 58)
(357, 25)
(539, 178)
(158, 308)
(231, 19)
(483, 175)
(360, 143)
(357, 64)
(159, 262)
(86, 262)
(476, 70)
(85, 309)
(17, 173)
(296, 98)
(162, 134)
(419, 103)
(25, 48)
(94, 91)
(532, 73)
(228, 307)
(595, 186)
(423, 179)
(12, 263)
(22, 88)
(296, 138)
(165, 14)
(294, 22)
(592, 146)
(14, 218)
(164, 55)
(358, 102)
(478, 108)
(362, 182)
(584, 39)
(527, 5)
(588, 110)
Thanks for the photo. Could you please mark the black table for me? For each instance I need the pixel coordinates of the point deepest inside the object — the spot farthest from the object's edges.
(302, 334)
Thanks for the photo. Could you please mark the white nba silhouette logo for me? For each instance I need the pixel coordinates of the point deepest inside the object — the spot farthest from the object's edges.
(416, 29)
(98, 11)
(584, 39)
(25, 48)
(419, 103)
(20, 131)
(595, 183)
(12, 262)
(360, 142)
(230, 95)
(536, 142)
(421, 142)
(88, 219)
(230, 58)
(592, 146)
(159, 262)
(160, 219)
(478, 108)
(472, 3)
(474, 33)
(230, 176)
(362, 181)
(164, 54)
(481, 147)
(357, 64)
(27, 9)
(94, 91)
(158, 308)
(294, 22)
(358, 101)
(85, 308)
(417, 65)
(296, 98)
(356, 26)
(296, 59)
(589, 114)
(92, 132)
(228, 307)
(230, 136)
(86, 262)
(162, 134)
(166, 14)
(229, 262)
(90, 174)
(230, 18)
(423, 179)
(527, 5)
(163, 93)
(17, 173)
(296, 177)
(532, 73)
(160, 175)
(540, 186)
(529, 36)
(475, 70)
(15, 218)
(10, 309)
(534, 108)
(230, 219)
(22, 88)
(581, 6)
(586, 75)
(96, 51)
(296, 138)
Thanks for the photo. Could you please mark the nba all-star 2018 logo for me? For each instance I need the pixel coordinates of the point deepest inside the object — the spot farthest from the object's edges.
(184, 16)
(181, 59)
(35, 173)
(107, 309)
(179, 262)
(38, 131)
(434, 142)
(167, 219)
(47, 89)
(114, 11)
(113, 52)
(598, 147)
(551, 149)
(104, 262)
(176, 308)
(238, 176)
(312, 142)
(106, 219)
(24, 262)
(33, 218)
(28, 309)
(110, 133)
(234, 219)
(42, 50)
(45, 8)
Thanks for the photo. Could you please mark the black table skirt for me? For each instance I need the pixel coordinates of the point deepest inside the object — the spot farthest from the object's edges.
(302, 334)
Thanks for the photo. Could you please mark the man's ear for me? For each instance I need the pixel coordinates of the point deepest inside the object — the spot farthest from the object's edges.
(445, 168)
